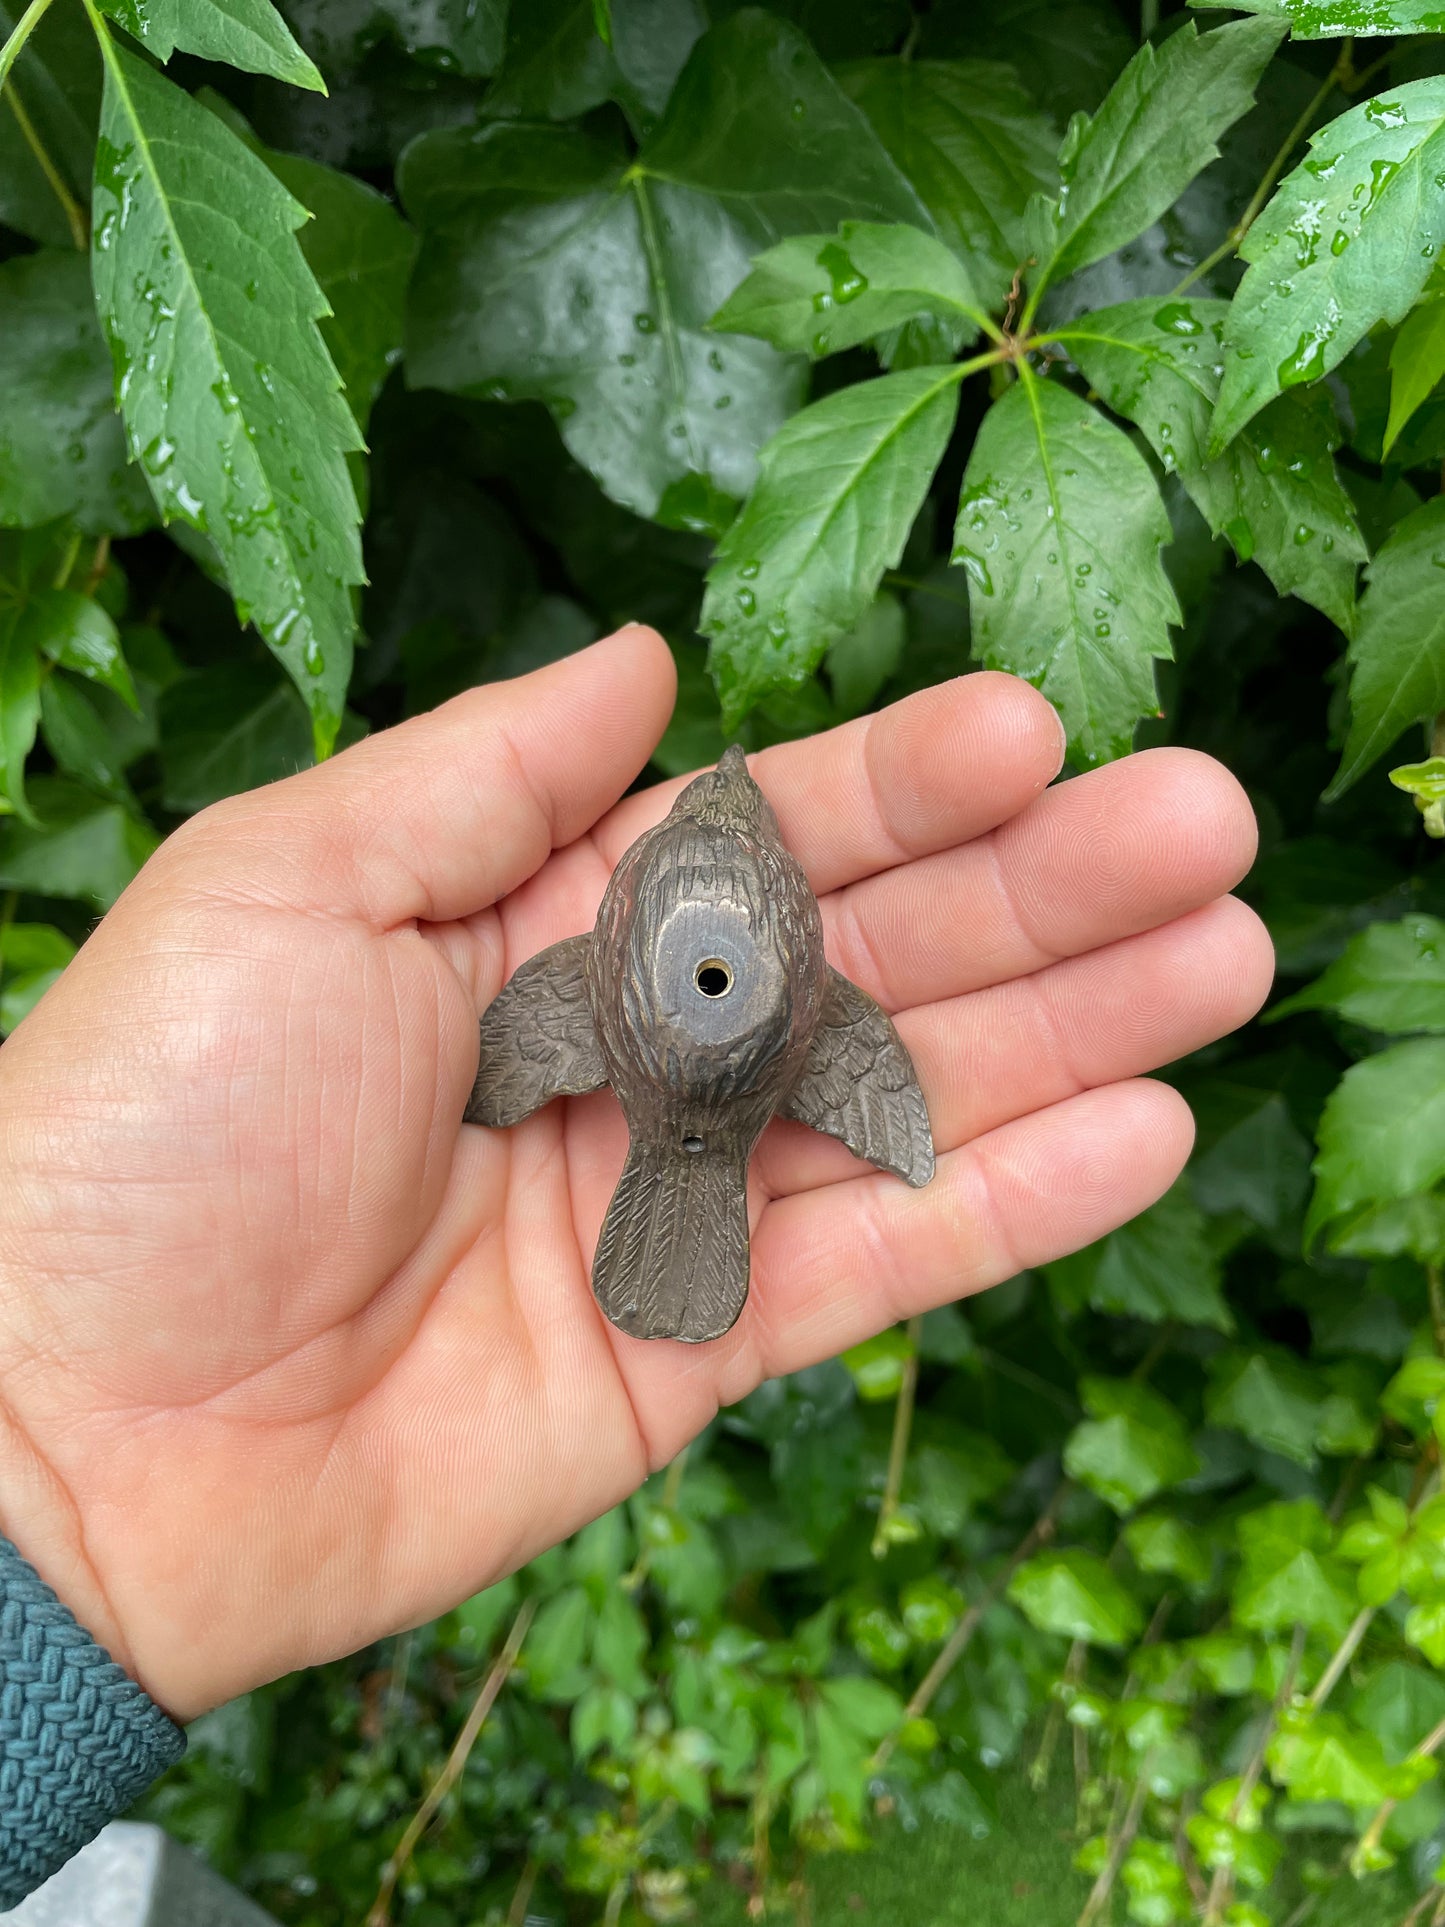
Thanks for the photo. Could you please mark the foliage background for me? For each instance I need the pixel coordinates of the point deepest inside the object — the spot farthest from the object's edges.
(1120, 1592)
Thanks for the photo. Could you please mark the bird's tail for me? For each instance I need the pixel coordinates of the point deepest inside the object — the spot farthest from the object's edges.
(672, 1260)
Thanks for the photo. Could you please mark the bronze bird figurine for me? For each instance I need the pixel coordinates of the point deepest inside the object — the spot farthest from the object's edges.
(702, 996)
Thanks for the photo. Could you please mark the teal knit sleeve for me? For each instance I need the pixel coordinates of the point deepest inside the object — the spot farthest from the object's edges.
(79, 1740)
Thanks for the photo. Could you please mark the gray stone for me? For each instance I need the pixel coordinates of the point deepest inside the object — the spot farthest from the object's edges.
(134, 1875)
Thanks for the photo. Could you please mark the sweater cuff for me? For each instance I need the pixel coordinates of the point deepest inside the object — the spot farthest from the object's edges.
(80, 1741)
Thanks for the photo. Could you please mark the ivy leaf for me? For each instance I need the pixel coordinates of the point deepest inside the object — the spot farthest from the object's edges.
(841, 484)
(975, 147)
(554, 269)
(1425, 1629)
(32, 956)
(1074, 1594)
(1330, 19)
(558, 64)
(1382, 1135)
(450, 36)
(77, 634)
(1273, 493)
(1251, 1155)
(1397, 657)
(1060, 525)
(1348, 240)
(245, 438)
(62, 450)
(80, 847)
(1321, 1756)
(1391, 977)
(243, 33)
(816, 293)
(1270, 1397)
(1288, 1574)
(1160, 1543)
(1068, 53)
(56, 84)
(1154, 131)
(78, 739)
(1417, 362)
(1132, 1445)
(1159, 1265)
(860, 663)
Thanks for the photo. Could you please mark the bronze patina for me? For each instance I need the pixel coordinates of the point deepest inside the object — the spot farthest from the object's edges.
(702, 996)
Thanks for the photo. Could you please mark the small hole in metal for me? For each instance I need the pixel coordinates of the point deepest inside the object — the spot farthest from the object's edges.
(713, 977)
(693, 1144)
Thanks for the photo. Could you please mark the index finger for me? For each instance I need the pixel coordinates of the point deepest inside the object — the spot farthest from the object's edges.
(930, 771)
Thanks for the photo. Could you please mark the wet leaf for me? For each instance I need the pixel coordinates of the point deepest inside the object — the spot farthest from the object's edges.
(244, 435)
(243, 33)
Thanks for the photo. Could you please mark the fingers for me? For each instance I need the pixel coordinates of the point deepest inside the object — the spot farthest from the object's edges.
(447, 812)
(997, 1054)
(922, 775)
(1117, 851)
(835, 1266)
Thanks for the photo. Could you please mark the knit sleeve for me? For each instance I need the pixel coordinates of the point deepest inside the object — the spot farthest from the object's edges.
(79, 1739)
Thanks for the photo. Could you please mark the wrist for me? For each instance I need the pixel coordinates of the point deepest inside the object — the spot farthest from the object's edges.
(41, 1519)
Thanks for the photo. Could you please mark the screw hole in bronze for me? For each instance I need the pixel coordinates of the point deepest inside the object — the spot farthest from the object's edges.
(692, 1144)
(713, 977)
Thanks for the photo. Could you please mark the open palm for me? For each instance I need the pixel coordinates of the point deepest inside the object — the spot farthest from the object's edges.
(290, 1358)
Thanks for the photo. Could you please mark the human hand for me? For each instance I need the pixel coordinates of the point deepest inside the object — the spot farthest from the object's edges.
(289, 1358)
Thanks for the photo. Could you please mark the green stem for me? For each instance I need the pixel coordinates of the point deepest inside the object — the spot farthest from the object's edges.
(898, 1448)
(1341, 1657)
(1118, 1848)
(667, 1502)
(1335, 78)
(67, 560)
(1221, 1887)
(1148, 19)
(1437, 1305)
(969, 1622)
(24, 27)
(74, 213)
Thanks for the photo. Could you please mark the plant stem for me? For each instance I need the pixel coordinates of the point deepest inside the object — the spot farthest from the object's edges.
(969, 1622)
(67, 560)
(24, 27)
(456, 1762)
(898, 1448)
(1375, 1832)
(615, 1899)
(98, 564)
(667, 1502)
(1118, 1850)
(1437, 1305)
(1148, 19)
(1221, 1887)
(1272, 173)
(517, 1912)
(1341, 1657)
(74, 213)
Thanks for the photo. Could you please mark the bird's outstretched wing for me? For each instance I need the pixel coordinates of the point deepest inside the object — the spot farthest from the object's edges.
(538, 1041)
(859, 1085)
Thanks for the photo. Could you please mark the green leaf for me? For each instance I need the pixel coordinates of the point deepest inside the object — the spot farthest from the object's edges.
(1322, 1756)
(975, 147)
(1155, 130)
(1397, 657)
(1159, 1265)
(816, 293)
(80, 742)
(1270, 1397)
(77, 634)
(876, 1366)
(552, 269)
(1288, 1574)
(33, 956)
(1132, 1445)
(243, 33)
(1060, 525)
(62, 452)
(362, 253)
(859, 663)
(558, 65)
(556, 1643)
(81, 847)
(245, 439)
(841, 484)
(19, 700)
(1391, 977)
(603, 1716)
(1160, 1543)
(1273, 493)
(230, 728)
(1382, 1135)
(448, 36)
(1330, 19)
(1417, 362)
(1251, 1155)
(56, 85)
(1413, 1395)
(1348, 240)
(1425, 1629)
(619, 1641)
(1074, 1594)
(1424, 781)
